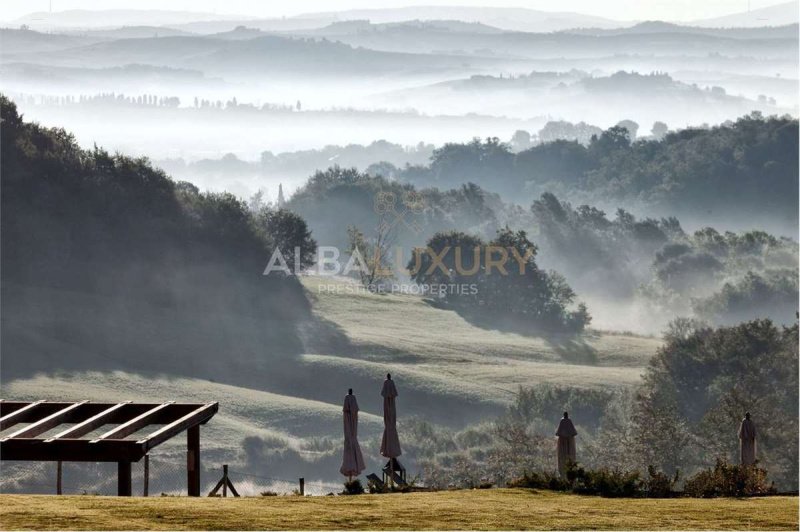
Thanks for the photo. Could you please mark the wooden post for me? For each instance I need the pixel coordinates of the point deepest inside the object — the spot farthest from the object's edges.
(146, 487)
(58, 479)
(124, 479)
(193, 460)
(225, 480)
(302, 486)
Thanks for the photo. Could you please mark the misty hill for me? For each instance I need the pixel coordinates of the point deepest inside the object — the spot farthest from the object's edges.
(251, 58)
(109, 18)
(776, 15)
(515, 19)
(576, 95)
(240, 33)
(648, 38)
(15, 41)
(377, 157)
(787, 31)
(784, 89)
(26, 77)
(507, 18)
(129, 32)
(268, 25)
(247, 130)
(388, 28)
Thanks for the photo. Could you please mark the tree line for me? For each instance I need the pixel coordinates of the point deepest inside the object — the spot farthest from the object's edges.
(741, 165)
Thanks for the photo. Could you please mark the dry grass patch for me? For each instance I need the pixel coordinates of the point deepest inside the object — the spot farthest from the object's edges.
(479, 509)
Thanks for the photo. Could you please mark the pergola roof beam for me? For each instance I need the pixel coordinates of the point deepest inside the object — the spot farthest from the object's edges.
(88, 425)
(129, 427)
(46, 423)
(17, 415)
(195, 417)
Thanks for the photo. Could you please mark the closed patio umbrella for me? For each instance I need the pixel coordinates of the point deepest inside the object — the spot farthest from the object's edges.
(352, 460)
(390, 443)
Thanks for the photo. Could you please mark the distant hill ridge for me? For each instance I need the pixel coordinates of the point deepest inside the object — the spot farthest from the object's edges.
(504, 18)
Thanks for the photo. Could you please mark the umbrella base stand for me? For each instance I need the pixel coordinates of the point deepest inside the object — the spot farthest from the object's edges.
(394, 472)
(373, 478)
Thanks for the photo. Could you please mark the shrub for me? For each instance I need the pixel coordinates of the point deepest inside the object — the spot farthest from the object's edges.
(604, 482)
(269, 494)
(659, 485)
(729, 480)
(546, 481)
(353, 487)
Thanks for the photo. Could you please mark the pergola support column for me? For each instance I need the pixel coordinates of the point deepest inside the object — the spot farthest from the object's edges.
(124, 479)
(193, 460)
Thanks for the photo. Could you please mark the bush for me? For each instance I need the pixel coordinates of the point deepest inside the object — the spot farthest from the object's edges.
(545, 481)
(604, 482)
(659, 485)
(353, 487)
(729, 480)
(269, 494)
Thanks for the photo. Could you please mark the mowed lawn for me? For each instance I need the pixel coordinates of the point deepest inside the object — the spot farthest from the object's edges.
(454, 510)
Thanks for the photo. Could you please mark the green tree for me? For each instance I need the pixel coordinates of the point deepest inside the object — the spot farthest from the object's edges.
(702, 381)
(288, 232)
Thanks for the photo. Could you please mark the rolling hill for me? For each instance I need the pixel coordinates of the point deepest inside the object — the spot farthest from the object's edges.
(656, 38)
(775, 15)
(254, 57)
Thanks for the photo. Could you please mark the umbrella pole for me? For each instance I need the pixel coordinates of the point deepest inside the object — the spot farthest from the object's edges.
(391, 472)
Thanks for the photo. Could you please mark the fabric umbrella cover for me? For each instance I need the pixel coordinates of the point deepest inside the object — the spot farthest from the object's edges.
(352, 460)
(390, 443)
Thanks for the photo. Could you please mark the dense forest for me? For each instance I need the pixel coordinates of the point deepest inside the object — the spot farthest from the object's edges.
(744, 166)
(109, 264)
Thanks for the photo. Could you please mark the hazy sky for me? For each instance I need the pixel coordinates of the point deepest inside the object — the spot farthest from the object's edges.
(615, 9)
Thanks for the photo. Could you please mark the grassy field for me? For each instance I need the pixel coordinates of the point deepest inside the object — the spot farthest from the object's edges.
(479, 509)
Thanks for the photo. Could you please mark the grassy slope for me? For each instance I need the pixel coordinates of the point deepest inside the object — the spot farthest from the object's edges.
(406, 332)
(478, 509)
(444, 366)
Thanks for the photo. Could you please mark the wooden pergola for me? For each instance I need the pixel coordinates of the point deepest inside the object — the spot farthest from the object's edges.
(76, 444)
